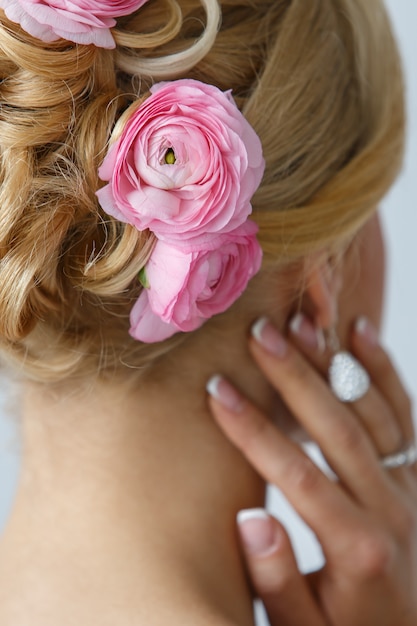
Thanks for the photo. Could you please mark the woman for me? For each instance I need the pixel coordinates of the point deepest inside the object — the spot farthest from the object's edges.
(128, 494)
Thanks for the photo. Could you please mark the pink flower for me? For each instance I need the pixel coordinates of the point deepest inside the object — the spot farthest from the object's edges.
(82, 21)
(185, 166)
(186, 287)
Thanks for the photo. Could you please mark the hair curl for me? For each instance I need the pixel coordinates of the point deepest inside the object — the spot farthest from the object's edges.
(320, 82)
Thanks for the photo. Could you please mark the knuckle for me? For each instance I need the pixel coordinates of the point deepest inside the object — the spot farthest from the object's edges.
(275, 588)
(274, 583)
(299, 369)
(255, 435)
(374, 555)
(302, 475)
(348, 436)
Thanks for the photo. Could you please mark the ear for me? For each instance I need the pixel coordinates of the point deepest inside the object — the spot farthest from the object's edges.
(322, 288)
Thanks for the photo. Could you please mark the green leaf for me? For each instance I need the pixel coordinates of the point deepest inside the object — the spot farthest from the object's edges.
(143, 279)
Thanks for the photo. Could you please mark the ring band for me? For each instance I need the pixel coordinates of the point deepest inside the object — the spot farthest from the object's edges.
(404, 458)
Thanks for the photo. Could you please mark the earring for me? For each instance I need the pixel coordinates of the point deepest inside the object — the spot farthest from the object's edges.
(348, 379)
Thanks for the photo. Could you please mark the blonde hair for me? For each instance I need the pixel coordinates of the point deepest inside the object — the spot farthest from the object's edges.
(320, 82)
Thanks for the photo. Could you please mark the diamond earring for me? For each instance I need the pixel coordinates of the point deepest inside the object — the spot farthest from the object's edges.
(348, 379)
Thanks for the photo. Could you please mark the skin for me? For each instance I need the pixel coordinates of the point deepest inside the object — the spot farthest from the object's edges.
(366, 522)
(370, 573)
(109, 522)
(355, 287)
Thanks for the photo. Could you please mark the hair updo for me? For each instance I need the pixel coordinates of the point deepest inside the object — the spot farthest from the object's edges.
(320, 82)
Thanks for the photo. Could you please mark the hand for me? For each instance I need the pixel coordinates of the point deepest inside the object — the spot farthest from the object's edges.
(366, 521)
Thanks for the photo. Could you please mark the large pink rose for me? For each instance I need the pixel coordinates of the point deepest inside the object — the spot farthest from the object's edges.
(185, 166)
(185, 287)
(82, 21)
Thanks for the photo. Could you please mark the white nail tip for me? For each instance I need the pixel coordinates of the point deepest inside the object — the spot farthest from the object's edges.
(295, 326)
(212, 385)
(247, 514)
(258, 327)
(361, 325)
(296, 322)
(321, 341)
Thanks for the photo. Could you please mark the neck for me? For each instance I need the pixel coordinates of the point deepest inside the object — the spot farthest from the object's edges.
(132, 494)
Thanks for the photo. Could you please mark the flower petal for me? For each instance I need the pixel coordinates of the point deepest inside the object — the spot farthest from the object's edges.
(146, 326)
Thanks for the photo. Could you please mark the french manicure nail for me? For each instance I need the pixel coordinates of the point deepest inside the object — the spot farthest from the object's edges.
(257, 531)
(269, 338)
(222, 391)
(303, 328)
(364, 328)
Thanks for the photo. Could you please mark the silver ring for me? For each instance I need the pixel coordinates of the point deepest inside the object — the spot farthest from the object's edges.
(404, 458)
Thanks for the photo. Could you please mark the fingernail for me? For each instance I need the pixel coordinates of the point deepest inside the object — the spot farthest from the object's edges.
(305, 330)
(222, 391)
(269, 337)
(258, 533)
(367, 330)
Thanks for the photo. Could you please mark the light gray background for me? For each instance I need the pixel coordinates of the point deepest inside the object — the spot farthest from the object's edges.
(400, 331)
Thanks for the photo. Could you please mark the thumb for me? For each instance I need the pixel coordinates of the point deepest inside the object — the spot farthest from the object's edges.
(274, 573)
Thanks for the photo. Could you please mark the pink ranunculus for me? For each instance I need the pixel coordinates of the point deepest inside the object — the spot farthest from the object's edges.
(187, 287)
(81, 21)
(185, 166)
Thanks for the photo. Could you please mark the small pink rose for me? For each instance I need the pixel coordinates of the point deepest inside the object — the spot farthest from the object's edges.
(81, 21)
(187, 287)
(185, 166)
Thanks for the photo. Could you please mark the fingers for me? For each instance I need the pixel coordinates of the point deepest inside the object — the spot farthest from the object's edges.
(354, 509)
(274, 572)
(281, 462)
(377, 410)
(366, 347)
(365, 522)
(329, 422)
